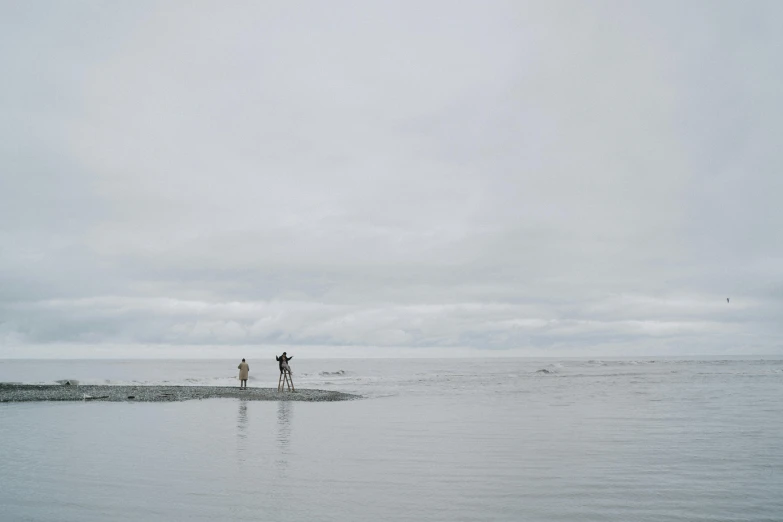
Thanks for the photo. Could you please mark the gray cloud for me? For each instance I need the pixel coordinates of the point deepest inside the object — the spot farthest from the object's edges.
(509, 177)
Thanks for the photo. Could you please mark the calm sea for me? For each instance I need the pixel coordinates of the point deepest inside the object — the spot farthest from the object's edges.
(447, 440)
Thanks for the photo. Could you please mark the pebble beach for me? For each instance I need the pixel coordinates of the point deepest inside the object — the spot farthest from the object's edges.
(11, 392)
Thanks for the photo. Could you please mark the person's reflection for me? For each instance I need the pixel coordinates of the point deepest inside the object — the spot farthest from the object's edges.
(242, 428)
(242, 419)
(284, 413)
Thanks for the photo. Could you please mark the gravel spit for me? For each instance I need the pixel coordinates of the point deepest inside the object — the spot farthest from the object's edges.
(11, 392)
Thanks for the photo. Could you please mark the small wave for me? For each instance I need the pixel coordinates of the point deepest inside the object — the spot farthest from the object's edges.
(545, 371)
(338, 372)
(68, 382)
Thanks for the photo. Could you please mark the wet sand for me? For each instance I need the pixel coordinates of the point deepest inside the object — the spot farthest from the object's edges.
(10, 392)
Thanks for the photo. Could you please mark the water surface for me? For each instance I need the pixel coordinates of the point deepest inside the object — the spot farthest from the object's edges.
(441, 440)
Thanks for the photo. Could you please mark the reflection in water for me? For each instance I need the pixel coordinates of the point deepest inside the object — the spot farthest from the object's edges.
(242, 428)
(284, 413)
(242, 420)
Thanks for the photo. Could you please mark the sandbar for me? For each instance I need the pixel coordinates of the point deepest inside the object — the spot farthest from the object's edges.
(12, 392)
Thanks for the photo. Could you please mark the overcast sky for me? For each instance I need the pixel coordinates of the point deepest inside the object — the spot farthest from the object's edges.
(391, 178)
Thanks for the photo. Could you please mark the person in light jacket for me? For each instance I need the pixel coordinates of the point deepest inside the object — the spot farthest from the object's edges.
(244, 369)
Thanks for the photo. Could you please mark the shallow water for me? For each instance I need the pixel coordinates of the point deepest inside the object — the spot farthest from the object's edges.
(435, 440)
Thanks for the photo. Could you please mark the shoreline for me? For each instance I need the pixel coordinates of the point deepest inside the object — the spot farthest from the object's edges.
(11, 392)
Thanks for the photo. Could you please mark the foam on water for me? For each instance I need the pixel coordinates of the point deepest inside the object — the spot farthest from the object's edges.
(221, 373)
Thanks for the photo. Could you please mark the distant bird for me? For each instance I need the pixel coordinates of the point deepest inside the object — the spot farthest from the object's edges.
(727, 299)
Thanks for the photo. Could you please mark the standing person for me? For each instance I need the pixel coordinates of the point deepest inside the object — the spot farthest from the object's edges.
(244, 369)
(285, 372)
(283, 362)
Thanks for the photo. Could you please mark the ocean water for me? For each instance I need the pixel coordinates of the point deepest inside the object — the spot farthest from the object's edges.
(446, 440)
